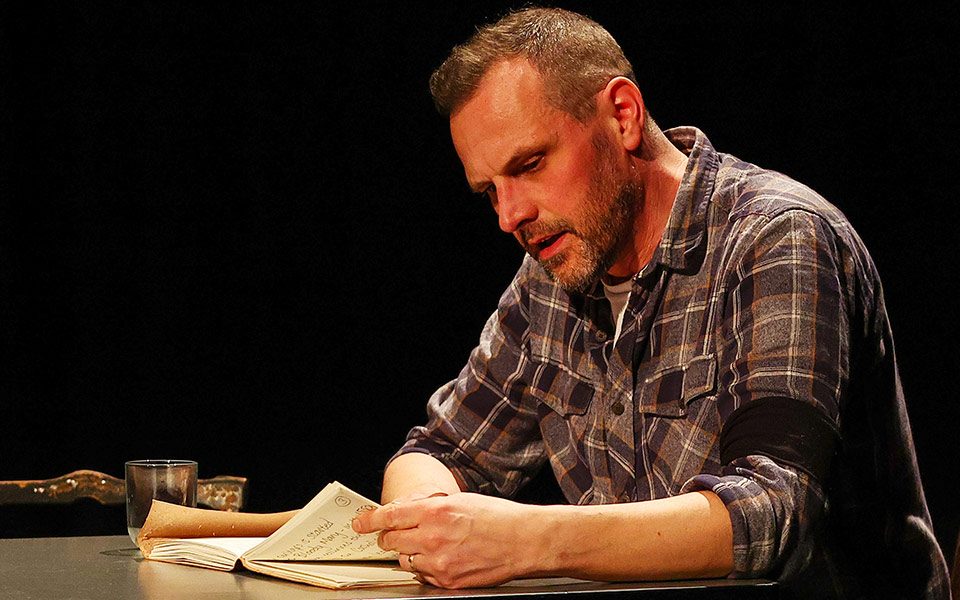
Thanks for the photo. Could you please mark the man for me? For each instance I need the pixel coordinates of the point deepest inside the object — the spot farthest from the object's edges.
(698, 348)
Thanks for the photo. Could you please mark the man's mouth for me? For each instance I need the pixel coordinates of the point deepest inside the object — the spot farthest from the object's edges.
(545, 247)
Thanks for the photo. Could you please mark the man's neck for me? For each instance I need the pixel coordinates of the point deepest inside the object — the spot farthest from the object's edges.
(613, 280)
(661, 179)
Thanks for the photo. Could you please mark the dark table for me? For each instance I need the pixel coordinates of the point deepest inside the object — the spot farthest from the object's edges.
(110, 567)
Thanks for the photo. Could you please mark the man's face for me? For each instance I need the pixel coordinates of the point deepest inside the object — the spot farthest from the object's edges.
(558, 186)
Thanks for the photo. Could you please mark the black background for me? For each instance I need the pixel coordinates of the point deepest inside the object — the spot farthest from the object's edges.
(238, 232)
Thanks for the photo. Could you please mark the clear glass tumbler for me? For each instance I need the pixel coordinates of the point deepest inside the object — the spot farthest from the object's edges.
(173, 481)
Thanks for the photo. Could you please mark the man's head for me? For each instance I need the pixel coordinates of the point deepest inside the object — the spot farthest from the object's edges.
(575, 56)
(550, 126)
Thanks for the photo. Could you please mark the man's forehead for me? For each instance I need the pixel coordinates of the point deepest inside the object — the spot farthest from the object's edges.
(504, 114)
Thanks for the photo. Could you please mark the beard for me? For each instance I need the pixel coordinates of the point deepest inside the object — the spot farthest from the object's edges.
(603, 229)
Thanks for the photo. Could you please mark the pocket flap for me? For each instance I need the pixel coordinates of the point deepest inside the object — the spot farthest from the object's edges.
(561, 389)
(699, 377)
(668, 391)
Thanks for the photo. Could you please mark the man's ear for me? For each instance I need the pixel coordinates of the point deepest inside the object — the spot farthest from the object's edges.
(624, 104)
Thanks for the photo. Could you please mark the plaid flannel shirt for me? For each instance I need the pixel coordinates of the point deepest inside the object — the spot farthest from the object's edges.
(759, 289)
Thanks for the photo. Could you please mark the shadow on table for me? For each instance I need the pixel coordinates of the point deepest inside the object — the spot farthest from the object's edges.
(132, 551)
(165, 581)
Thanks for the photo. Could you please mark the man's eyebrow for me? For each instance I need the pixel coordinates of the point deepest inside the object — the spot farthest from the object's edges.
(520, 156)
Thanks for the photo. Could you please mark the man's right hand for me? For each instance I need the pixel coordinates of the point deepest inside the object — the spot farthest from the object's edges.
(462, 540)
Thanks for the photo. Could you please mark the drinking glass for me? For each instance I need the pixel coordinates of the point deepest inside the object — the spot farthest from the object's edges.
(173, 481)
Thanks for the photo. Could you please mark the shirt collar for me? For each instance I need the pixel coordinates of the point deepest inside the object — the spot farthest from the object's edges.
(686, 227)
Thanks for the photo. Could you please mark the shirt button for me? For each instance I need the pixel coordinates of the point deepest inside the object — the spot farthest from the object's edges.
(601, 336)
(617, 408)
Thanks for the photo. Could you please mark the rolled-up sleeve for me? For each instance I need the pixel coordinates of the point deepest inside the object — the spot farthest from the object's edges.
(785, 336)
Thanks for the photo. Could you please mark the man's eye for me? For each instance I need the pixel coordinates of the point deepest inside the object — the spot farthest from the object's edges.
(488, 193)
(531, 164)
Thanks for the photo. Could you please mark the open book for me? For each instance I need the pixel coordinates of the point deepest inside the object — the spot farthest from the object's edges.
(314, 545)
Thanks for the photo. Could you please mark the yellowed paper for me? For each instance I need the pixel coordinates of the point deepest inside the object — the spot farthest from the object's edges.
(276, 544)
(171, 521)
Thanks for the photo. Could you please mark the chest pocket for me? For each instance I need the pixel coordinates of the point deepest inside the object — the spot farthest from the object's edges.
(561, 373)
(559, 388)
(667, 392)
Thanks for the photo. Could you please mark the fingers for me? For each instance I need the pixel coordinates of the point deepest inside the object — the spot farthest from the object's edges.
(406, 562)
(395, 515)
(405, 541)
(424, 567)
(416, 563)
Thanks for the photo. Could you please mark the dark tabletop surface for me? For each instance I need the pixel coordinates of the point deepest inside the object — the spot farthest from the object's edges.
(110, 567)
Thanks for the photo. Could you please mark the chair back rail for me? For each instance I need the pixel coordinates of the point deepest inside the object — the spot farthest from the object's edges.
(224, 492)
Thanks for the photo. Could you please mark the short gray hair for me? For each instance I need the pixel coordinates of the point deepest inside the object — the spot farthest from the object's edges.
(575, 56)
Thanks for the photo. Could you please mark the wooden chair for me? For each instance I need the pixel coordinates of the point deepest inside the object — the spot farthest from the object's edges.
(955, 572)
(226, 493)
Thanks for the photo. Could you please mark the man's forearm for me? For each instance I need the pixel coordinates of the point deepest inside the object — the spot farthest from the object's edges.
(470, 540)
(683, 536)
(416, 473)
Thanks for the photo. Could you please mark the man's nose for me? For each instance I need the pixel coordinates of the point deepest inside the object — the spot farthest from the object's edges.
(514, 209)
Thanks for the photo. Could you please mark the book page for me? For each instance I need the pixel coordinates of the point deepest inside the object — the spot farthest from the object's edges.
(214, 553)
(336, 575)
(322, 531)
